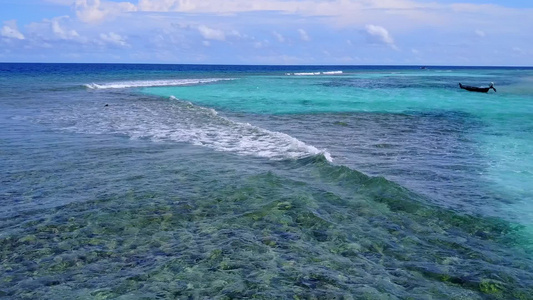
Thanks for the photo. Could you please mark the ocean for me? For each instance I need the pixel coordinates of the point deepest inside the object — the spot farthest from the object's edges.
(126, 181)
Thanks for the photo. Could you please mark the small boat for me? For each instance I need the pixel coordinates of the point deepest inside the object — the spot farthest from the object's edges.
(477, 89)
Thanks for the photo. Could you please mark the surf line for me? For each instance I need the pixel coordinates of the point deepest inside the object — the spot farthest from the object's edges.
(152, 83)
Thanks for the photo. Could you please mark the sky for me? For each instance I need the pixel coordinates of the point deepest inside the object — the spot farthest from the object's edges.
(269, 32)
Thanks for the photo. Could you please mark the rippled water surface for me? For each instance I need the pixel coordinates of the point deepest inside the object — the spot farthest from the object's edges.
(162, 182)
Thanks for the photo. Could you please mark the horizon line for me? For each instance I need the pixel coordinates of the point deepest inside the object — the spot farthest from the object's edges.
(274, 65)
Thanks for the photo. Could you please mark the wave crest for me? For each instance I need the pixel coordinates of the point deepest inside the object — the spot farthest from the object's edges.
(223, 134)
(314, 73)
(183, 121)
(151, 83)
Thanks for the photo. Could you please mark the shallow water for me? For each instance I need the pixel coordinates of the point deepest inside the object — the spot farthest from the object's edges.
(373, 183)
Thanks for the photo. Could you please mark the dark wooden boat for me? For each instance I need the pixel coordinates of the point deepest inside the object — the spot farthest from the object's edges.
(477, 89)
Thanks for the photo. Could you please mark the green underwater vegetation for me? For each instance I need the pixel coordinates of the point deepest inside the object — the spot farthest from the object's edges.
(334, 233)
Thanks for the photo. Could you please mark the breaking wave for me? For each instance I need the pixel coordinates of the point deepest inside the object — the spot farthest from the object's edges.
(182, 121)
(150, 83)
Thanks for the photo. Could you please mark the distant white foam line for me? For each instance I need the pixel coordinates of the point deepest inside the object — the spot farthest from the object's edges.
(315, 73)
(306, 74)
(150, 83)
(332, 72)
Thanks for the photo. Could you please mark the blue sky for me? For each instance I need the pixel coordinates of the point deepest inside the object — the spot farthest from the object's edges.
(340, 32)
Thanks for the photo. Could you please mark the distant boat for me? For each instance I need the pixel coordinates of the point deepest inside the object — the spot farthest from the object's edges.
(477, 89)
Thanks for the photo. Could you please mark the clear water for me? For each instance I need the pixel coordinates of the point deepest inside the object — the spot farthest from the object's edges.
(162, 181)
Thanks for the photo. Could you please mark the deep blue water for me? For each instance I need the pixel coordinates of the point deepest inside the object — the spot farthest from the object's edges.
(274, 182)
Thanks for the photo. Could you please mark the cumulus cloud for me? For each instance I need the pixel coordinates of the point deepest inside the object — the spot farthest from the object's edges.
(114, 39)
(10, 30)
(379, 35)
(278, 21)
(216, 6)
(346, 12)
(90, 11)
(236, 33)
(303, 35)
(346, 9)
(211, 33)
(402, 14)
(54, 29)
(62, 33)
(279, 37)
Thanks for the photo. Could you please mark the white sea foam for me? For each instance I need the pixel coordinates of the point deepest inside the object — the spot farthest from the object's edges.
(223, 134)
(182, 121)
(314, 73)
(332, 72)
(150, 83)
(307, 74)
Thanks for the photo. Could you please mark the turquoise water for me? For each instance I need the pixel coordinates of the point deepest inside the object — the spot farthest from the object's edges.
(171, 182)
(502, 137)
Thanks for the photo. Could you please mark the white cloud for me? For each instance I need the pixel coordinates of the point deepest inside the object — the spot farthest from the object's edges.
(211, 34)
(10, 30)
(55, 29)
(402, 14)
(379, 35)
(279, 37)
(62, 33)
(216, 6)
(114, 39)
(236, 33)
(244, 24)
(90, 11)
(303, 35)
(340, 12)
